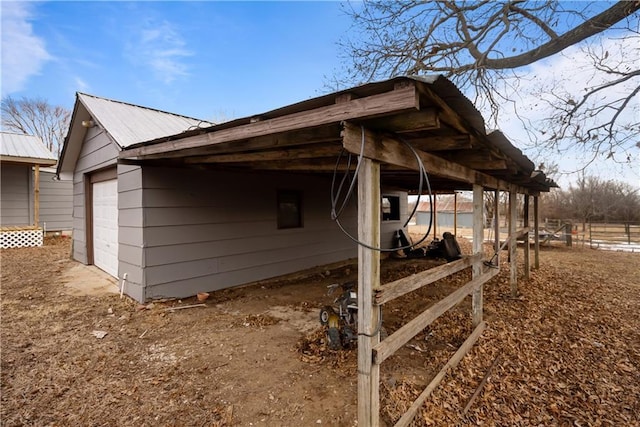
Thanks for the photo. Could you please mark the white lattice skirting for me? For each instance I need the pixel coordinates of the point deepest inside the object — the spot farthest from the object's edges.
(21, 238)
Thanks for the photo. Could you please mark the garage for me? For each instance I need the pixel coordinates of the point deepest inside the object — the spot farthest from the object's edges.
(105, 226)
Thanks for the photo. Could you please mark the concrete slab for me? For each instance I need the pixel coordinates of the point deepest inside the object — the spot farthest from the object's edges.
(79, 279)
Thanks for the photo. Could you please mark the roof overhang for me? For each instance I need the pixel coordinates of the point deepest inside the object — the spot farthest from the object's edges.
(28, 160)
(386, 121)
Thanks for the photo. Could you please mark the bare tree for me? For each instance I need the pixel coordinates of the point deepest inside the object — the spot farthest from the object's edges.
(34, 116)
(486, 46)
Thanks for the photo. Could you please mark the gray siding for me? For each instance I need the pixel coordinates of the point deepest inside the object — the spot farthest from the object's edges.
(130, 244)
(98, 152)
(56, 203)
(205, 231)
(15, 203)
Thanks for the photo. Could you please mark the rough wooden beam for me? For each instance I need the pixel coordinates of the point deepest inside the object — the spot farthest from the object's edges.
(412, 121)
(478, 238)
(442, 143)
(404, 99)
(536, 228)
(391, 344)
(368, 283)
(303, 137)
(36, 195)
(408, 416)
(527, 252)
(390, 150)
(496, 225)
(513, 244)
(393, 290)
(305, 152)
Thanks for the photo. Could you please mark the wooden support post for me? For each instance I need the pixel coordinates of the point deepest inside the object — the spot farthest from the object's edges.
(368, 283)
(455, 214)
(513, 244)
(527, 252)
(435, 216)
(478, 239)
(536, 228)
(36, 195)
(496, 225)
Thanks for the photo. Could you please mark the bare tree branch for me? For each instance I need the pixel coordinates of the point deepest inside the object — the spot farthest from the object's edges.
(36, 117)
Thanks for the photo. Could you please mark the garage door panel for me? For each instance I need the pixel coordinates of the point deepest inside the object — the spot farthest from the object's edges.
(105, 226)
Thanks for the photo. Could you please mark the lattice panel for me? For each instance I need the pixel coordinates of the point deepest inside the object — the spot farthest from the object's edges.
(21, 238)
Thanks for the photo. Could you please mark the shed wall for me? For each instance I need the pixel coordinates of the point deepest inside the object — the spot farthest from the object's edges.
(56, 203)
(209, 230)
(15, 181)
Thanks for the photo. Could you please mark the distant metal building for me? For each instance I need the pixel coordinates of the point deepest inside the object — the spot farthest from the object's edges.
(445, 207)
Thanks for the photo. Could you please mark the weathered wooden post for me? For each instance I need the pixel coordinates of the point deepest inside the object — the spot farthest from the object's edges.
(368, 282)
(496, 225)
(568, 229)
(478, 239)
(36, 195)
(513, 243)
(536, 230)
(527, 252)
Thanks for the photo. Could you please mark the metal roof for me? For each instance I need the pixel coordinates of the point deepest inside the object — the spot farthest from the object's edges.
(25, 149)
(129, 124)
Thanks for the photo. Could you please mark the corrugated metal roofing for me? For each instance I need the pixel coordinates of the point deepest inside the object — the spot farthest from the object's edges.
(445, 203)
(129, 124)
(21, 146)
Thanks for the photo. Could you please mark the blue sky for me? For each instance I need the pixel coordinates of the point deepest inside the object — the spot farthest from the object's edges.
(210, 60)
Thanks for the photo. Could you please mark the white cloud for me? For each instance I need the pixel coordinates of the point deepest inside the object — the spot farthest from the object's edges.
(160, 47)
(23, 53)
(81, 85)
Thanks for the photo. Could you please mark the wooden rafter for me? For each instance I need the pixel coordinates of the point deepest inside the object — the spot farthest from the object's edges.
(395, 101)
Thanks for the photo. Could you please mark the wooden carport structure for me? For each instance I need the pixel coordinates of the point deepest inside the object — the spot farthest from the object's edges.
(387, 125)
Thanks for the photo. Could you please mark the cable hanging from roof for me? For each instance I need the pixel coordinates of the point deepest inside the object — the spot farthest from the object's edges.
(336, 193)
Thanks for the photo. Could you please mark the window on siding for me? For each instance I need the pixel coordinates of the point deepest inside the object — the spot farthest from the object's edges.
(289, 209)
(391, 208)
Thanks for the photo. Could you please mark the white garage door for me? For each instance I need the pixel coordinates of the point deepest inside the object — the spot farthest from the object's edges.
(105, 226)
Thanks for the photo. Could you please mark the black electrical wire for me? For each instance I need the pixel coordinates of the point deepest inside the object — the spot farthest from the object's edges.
(424, 177)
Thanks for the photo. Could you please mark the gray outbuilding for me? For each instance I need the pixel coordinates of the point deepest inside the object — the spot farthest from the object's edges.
(172, 205)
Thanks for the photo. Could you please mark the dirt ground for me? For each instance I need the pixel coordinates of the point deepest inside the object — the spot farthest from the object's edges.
(566, 351)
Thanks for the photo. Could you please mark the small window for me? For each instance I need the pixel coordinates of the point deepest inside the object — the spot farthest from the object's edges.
(390, 208)
(289, 209)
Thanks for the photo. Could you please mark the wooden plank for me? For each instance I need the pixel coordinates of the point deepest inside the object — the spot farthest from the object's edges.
(478, 239)
(455, 214)
(302, 137)
(425, 119)
(536, 228)
(368, 283)
(404, 99)
(408, 416)
(393, 290)
(295, 153)
(386, 149)
(36, 195)
(391, 344)
(496, 225)
(443, 143)
(513, 244)
(527, 252)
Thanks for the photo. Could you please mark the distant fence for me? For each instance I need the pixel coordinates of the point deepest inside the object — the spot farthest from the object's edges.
(607, 236)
